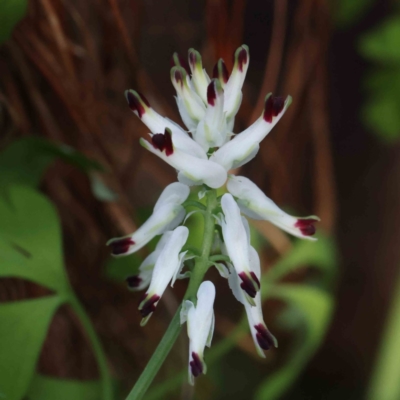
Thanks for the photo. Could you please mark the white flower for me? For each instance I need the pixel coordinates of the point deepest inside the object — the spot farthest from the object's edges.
(245, 145)
(142, 280)
(192, 170)
(237, 244)
(167, 214)
(200, 327)
(262, 337)
(166, 269)
(255, 204)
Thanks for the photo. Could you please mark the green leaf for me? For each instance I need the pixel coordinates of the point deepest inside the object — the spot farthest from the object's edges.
(385, 382)
(30, 239)
(315, 307)
(47, 388)
(382, 43)
(11, 11)
(319, 254)
(23, 329)
(348, 12)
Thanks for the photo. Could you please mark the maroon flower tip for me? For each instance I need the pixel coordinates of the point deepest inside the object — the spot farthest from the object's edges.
(121, 246)
(196, 365)
(149, 306)
(220, 71)
(163, 141)
(178, 61)
(192, 58)
(242, 59)
(133, 281)
(306, 226)
(273, 106)
(211, 94)
(136, 101)
(248, 285)
(178, 76)
(264, 337)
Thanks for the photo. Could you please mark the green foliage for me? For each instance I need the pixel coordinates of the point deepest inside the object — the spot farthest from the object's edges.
(11, 11)
(348, 12)
(23, 329)
(47, 388)
(25, 161)
(315, 308)
(381, 111)
(385, 382)
(30, 239)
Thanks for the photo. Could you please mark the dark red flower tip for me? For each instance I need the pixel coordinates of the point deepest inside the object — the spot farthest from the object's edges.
(256, 280)
(196, 365)
(133, 281)
(121, 246)
(273, 106)
(163, 141)
(135, 102)
(178, 76)
(211, 93)
(264, 337)
(178, 61)
(306, 226)
(149, 305)
(248, 285)
(242, 58)
(220, 71)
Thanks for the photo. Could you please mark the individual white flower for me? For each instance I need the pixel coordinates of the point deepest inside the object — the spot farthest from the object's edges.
(200, 327)
(192, 170)
(142, 280)
(238, 246)
(167, 214)
(262, 337)
(255, 204)
(245, 145)
(166, 270)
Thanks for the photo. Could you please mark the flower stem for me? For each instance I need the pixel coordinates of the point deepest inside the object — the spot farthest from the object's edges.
(107, 390)
(174, 328)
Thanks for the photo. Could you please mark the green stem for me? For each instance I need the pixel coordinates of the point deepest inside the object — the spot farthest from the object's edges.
(107, 390)
(174, 328)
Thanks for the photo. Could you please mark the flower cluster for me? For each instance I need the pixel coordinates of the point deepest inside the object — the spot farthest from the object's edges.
(203, 154)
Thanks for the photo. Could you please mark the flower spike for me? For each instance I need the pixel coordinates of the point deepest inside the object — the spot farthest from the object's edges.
(167, 214)
(200, 327)
(255, 204)
(244, 146)
(192, 170)
(238, 246)
(166, 269)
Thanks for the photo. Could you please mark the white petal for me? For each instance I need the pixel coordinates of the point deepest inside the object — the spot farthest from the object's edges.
(157, 124)
(244, 146)
(174, 193)
(196, 170)
(255, 204)
(200, 79)
(233, 88)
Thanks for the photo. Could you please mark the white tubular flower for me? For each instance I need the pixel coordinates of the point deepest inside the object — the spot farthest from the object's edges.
(238, 246)
(166, 269)
(142, 279)
(192, 170)
(262, 337)
(200, 79)
(244, 146)
(168, 213)
(200, 327)
(190, 104)
(255, 204)
(212, 129)
(233, 88)
(157, 124)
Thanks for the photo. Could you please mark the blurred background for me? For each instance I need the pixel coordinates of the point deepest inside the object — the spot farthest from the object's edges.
(72, 175)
